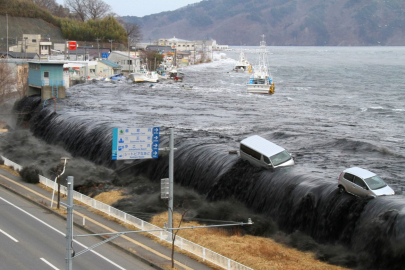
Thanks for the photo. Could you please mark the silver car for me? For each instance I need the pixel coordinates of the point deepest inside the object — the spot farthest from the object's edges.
(362, 183)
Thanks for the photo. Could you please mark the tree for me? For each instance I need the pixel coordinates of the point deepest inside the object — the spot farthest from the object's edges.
(79, 7)
(89, 9)
(97, 9)
(133, 30)
(7, 82)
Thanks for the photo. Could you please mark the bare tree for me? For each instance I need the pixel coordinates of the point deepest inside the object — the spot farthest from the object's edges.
(7, 82)
(49, 5)
(88, 9)
(97, 9)
(79, 7)
(133, 30)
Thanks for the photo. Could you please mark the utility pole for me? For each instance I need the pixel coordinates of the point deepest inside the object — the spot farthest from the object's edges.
(69, 220)
(98, 46)
(7, 36)
(110, 40)
(171, 170)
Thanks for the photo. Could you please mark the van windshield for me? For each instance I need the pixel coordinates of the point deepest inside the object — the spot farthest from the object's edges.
(375, 182)
(279, 158)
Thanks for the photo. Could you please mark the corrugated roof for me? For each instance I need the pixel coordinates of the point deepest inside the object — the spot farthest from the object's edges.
(110, 63)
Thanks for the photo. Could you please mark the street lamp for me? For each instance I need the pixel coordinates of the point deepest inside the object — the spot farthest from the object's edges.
(61, 166)
(111, 40)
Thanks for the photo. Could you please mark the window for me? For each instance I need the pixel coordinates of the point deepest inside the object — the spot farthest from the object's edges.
(349, 177)
(279, 158)
(266, 159)
(358, 181)
(250, 151)
(92, 70)
(129, 62)
(375, 182)
(34, 40)
(46, 74)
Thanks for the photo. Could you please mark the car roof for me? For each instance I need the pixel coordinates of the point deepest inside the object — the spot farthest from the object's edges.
(262, 145)
(360, 172)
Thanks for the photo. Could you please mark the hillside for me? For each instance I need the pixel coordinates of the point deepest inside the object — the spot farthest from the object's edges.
(284, 22)
(19, 26)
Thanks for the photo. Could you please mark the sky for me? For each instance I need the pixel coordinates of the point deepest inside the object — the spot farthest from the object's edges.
(142, 8)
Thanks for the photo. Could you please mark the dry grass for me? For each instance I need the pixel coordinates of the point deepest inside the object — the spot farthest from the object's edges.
(110, 197)
(10, 170)
(256, 252)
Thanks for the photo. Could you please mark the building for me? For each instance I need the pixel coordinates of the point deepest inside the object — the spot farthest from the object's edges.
(178, 44)
(46, 79)
(159, 48)
(127, 62)
(19, 55)
(106, 68)
(33, 43)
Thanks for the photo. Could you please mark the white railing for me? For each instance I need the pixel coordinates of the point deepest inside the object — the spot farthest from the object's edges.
(11, 164)
(184, 244)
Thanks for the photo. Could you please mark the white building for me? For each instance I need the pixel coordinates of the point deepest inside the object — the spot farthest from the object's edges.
(33, 44)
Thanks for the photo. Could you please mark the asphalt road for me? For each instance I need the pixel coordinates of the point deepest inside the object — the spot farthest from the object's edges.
(31, 238)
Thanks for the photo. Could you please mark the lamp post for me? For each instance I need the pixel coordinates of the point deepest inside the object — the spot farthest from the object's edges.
(63, 162)
(110, 40)
(25, 47)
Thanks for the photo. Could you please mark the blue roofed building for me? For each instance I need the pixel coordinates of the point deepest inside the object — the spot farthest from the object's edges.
(107, 68)
(45, 78)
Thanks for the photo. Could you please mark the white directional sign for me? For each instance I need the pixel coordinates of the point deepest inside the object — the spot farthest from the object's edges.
(135, 143)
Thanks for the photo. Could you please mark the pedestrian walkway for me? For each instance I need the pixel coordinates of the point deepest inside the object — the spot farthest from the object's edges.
(136, 244)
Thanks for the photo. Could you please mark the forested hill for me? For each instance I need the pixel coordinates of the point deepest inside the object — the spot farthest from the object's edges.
(284, 22)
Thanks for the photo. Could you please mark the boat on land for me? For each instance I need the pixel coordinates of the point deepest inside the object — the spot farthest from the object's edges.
(261, 82)
(172, 73)
(144, 75)
(242, 64)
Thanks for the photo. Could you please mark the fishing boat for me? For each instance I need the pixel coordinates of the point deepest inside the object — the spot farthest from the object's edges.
(261, 82)
(144, 75)
(242, 64)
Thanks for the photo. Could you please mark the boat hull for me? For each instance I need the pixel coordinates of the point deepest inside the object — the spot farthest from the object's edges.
(260, 89)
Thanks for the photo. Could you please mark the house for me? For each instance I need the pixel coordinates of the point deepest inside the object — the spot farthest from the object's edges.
(45, 78)
(127, 62)
(159, 48)
(33, 43)
(20, 55)
(178, 44)
(106, 68)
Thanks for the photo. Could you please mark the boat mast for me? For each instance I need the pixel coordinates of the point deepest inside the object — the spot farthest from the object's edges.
(263, 57)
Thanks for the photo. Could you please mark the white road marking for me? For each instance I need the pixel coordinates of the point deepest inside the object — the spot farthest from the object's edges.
(6, 234)
(56, 230)
(48, 263)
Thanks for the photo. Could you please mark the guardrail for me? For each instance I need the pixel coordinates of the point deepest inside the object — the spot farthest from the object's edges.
(184, 244)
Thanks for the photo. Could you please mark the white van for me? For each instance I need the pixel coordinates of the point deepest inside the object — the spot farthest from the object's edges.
(263, 153)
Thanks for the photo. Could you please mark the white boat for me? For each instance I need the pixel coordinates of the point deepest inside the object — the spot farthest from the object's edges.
(172, 73)
(242, 64)
(261, 82)
(144, 75)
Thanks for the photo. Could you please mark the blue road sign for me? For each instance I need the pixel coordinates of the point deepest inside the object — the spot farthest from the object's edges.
(135, 143)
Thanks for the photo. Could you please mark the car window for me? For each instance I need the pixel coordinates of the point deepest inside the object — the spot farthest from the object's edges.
(349, 176)
(279, 158)
(358, 181)
(375, 182)
(266, 159)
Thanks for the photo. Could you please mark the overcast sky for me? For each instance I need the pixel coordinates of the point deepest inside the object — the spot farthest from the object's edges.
(141, 8)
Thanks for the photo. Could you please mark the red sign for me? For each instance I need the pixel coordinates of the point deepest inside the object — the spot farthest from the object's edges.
(72, 45)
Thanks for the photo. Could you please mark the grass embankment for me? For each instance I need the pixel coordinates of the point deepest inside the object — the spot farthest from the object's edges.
(256, 252)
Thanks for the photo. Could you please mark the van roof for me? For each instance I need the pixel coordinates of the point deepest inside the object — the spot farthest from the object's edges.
(262, 145)
(360, 172)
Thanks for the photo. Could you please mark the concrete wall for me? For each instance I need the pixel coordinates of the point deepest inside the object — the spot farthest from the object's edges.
(46, 92)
